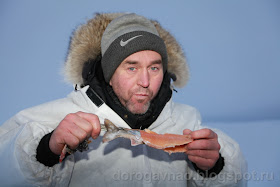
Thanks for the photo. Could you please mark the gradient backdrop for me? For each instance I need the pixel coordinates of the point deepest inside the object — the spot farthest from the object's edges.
(232, 49)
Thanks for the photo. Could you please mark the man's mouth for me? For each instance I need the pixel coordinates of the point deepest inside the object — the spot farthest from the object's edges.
(141, 96)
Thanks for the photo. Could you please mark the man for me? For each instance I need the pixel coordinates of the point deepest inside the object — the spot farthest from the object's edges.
(122, 66)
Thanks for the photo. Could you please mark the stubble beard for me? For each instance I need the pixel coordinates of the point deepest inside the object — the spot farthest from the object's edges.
(136, 109)
(138, 106)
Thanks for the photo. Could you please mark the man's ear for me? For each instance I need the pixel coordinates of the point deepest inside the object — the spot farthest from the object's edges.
(110, 83)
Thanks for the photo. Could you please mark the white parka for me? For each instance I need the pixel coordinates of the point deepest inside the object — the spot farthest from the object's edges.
(116, 163)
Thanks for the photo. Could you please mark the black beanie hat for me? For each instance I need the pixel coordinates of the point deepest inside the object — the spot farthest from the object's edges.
(126, 35)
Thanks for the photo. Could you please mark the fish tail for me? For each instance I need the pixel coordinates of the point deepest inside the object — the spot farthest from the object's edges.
(112, 131)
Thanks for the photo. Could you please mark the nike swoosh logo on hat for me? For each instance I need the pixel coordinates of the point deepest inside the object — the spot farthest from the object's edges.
(124, 43)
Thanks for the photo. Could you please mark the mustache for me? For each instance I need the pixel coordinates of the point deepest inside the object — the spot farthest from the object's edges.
(143, 91)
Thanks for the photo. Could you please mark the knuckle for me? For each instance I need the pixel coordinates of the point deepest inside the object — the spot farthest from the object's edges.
(83, 135)
(208, 132)
(215, 135)
(80, 113)
(95, 119)
(62, 124)
(96, 123)
(218, 146)
(70, 116)
(186, 131)
(76, 142)
(73, 143)
(88, 129)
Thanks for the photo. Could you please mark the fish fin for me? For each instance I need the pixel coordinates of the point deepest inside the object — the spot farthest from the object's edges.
(111, 132)
(135, 142)
(111, 127)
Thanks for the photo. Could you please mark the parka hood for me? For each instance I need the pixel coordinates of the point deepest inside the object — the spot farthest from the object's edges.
(85, 45)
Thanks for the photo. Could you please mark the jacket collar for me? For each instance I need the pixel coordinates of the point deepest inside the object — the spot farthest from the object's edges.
(81, 98)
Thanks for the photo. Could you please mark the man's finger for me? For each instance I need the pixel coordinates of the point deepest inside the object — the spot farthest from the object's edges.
(186, 131)
(71, 141)
(204, 144)
(94, 121)
(207, 154)
(202, 163)
(78, 126)
(203, 134)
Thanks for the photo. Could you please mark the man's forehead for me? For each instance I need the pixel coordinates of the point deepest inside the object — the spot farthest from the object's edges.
(147, 56)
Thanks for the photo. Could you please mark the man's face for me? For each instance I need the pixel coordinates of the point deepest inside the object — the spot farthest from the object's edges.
(137, 80)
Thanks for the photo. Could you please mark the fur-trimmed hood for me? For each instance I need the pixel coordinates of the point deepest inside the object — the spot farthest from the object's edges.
(85, 45)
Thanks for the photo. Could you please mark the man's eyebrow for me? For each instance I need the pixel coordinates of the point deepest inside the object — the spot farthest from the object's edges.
(157, 61)
(130, 62)
(136, 62)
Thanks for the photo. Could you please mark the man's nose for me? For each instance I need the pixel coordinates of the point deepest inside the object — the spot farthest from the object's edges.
(144, 79)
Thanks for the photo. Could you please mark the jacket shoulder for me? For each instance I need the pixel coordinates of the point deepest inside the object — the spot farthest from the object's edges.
(184, 109)
(186, 115)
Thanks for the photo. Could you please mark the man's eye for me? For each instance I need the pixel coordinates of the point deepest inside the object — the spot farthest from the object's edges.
(131, 69)
(154, 68)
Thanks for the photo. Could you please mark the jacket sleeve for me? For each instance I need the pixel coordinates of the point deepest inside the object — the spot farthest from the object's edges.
(19, 140)
(234, 168)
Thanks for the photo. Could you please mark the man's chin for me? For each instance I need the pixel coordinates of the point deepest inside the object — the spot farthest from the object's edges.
(139, 108)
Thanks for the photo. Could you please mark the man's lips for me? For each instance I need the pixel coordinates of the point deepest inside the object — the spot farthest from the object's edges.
(141, 95)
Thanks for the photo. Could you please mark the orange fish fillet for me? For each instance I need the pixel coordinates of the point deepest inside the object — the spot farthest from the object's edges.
(170, 143)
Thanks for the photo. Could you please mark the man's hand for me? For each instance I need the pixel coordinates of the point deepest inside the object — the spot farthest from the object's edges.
(73, 130)
(204, 150)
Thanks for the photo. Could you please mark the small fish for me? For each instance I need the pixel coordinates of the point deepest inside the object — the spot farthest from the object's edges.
(114, 132)
(171, 143)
